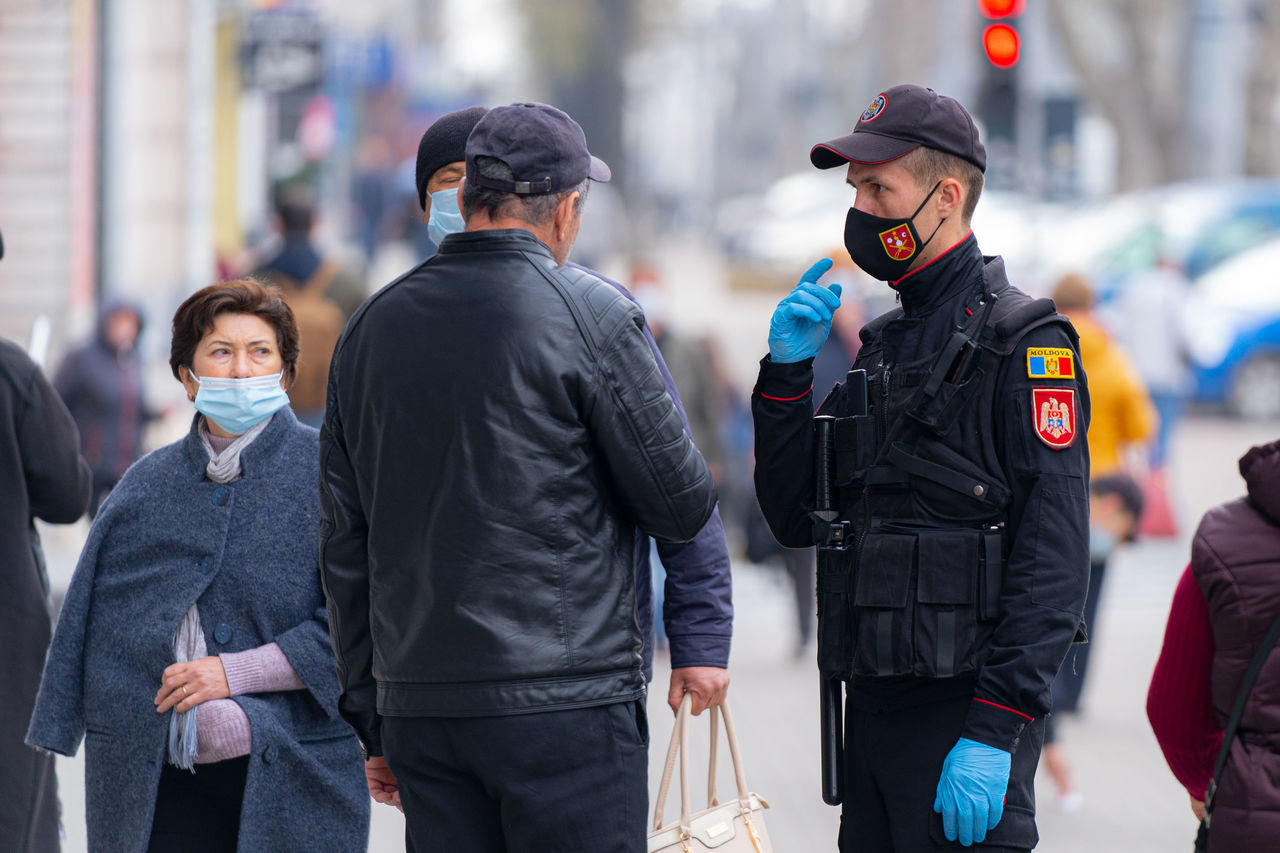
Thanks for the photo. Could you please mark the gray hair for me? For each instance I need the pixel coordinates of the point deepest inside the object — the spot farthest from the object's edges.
(534, 209)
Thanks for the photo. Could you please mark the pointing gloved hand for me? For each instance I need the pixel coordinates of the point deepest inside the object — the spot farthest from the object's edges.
(802, 321)
(971, 790)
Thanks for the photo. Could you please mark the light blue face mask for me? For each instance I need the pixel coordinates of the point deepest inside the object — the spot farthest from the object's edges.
(238, 405)
(1101, 544)
(445, 218)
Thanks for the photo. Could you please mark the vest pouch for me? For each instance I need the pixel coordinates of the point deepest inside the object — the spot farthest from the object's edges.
(946, 603)
(883, 620)
(940, 412)
(835, 633)
(855, 448)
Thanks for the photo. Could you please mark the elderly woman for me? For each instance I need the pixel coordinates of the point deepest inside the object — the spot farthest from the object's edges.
(193, 652)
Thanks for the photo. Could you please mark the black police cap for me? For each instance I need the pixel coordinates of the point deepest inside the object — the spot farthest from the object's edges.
(899, 120)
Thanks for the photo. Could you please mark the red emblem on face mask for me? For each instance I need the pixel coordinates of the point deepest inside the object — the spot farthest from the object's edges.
(898, 242)
(1053, 414)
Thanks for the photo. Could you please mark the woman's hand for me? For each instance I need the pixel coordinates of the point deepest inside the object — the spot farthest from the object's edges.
(185, 685)
(1197, 808)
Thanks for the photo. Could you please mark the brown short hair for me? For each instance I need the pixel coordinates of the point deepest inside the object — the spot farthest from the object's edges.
(194, 319)
(929, 165)
(1073, 293)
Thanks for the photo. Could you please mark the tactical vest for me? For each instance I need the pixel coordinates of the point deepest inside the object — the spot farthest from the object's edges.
(917, 590)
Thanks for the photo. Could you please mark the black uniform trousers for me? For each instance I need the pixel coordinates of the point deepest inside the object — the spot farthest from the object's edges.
(530, 783)
(893, 760)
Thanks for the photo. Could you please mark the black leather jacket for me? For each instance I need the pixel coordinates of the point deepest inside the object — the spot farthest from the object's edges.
(496, 429)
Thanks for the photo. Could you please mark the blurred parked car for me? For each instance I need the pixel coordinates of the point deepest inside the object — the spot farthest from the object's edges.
(1233, 320)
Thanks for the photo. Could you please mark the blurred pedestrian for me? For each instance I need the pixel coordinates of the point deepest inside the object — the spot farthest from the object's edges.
(321, 293)
(1152, 329)
(42, 475)
(1115, 506)
(497, 592)
(1123, 420)
(1224, 605)
(961, 500)
(694, 606)
(192, 652)
(101, 383)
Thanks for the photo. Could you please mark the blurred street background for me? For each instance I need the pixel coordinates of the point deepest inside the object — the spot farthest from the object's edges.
(144, 143)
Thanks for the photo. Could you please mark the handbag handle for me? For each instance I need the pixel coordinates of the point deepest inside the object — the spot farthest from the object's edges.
(679, 748)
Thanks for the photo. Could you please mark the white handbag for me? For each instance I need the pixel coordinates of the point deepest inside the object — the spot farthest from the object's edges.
(735, 827)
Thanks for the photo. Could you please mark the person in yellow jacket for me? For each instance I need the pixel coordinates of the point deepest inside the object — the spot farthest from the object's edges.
(1123, 418)
(1122, 415)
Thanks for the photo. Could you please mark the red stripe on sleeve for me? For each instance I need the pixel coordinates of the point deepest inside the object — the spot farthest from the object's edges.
(1004, 708)
(786, 399)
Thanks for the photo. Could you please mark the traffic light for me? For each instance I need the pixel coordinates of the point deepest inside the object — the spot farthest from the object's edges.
(997, 9)
(1000, 41)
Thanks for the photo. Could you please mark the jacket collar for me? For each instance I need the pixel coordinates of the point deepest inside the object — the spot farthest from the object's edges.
(937, 282)
(511, 239)
(253, 459)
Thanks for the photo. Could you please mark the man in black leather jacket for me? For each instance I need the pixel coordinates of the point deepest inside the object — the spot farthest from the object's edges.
(496, 430)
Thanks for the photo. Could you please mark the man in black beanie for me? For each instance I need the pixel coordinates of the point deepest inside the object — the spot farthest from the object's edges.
(439, 170)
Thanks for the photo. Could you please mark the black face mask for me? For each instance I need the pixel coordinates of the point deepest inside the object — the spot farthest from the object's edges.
(885, 248)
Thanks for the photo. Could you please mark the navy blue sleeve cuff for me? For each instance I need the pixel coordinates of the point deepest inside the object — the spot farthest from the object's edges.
(700, 650)
(994, 724)
(785, 383)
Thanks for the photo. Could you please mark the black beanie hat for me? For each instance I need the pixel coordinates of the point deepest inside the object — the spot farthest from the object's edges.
(443, 143)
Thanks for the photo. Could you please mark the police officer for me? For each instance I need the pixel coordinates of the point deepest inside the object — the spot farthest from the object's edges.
(960, 582)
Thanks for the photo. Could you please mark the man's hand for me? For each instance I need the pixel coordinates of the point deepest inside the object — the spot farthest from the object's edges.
(707, 684)
(971, 791)
(185, 685)
(802, 321)
(382, 782)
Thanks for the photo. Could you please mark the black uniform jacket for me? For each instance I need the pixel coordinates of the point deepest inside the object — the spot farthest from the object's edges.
(1045, 515)
(496, 430)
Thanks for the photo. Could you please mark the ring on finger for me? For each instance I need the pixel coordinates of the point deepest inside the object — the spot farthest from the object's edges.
(184, 690)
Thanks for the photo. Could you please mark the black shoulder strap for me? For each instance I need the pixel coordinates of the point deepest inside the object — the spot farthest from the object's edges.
(1237, 710)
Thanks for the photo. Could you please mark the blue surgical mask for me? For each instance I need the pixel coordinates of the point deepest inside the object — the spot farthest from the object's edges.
(1101, 544)
(445, 218)
(238, 405)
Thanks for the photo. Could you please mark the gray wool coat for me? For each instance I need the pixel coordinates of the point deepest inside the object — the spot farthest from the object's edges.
(246, 552)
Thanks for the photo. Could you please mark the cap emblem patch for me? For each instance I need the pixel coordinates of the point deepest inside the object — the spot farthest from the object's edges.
(872, 112)
(898, 242)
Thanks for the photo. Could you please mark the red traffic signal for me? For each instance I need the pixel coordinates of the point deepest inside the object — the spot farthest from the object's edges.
(997, 9)
(1001, 43)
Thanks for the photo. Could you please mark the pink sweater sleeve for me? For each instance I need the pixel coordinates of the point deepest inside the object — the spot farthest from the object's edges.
(222, 731)
(261, 670)
(1179, 704)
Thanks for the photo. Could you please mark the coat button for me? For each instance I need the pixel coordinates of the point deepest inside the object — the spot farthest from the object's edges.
(220, 496)
(271, 753)
(222, 633)
(979, 490)
(205, 563)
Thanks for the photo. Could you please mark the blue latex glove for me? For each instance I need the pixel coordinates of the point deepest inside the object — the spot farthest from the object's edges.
(802, 321)
(971, 790)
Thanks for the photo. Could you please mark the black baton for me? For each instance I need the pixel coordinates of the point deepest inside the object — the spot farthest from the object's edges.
(831, 534)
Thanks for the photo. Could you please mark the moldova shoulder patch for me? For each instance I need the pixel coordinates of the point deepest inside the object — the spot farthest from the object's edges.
(1053, 416)
(1050, 363)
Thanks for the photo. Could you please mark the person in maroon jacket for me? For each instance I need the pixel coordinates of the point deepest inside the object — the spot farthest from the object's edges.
(1223, 605)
